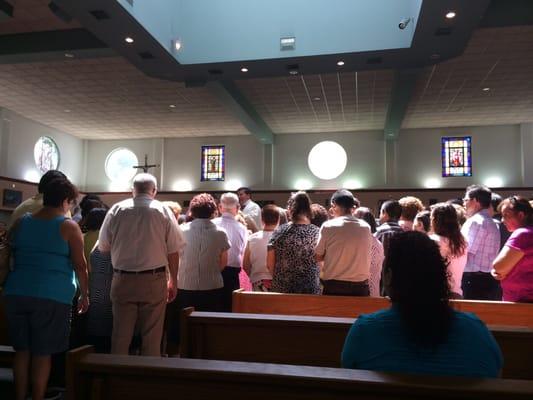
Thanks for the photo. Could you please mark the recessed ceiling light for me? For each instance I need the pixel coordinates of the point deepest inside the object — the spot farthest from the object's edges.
(244, 69)
(69, 55)
(340, 63)
(450, 14)
(316, 98)
(129, 40)
(172, 106)
(486, 89)
(67, 110)
(177, 45)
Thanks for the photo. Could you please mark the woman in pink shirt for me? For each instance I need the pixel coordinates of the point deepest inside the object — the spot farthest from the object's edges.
(514, 264)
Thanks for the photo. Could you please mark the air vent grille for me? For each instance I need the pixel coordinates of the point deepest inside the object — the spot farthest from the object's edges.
(99, 15)
(146, 55)
(443, 31)
(374, 60)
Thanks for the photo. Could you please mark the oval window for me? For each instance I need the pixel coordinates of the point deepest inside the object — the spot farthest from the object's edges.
(46, 154)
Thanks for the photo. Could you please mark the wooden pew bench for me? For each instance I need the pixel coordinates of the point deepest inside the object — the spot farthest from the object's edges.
(491, 312)
(305, 340)
(103, 376)
(7, 388)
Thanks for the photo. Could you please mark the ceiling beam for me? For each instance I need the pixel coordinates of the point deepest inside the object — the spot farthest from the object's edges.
(51, 45)
(402, 90)
(234, 101)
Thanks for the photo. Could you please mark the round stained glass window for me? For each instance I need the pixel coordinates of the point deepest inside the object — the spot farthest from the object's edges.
(119, 165)
(46, 154)
(327, 160)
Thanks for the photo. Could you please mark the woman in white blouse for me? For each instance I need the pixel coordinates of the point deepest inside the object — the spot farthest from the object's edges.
(453, 246)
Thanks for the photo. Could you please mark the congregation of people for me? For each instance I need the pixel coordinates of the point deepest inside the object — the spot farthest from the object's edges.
(131, 268)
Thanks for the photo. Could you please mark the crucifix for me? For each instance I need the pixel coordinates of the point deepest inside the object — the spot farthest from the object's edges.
(145, 166)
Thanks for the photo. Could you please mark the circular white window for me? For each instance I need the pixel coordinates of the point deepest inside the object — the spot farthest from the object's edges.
(46, 154)
(327, 160)
(119, 165)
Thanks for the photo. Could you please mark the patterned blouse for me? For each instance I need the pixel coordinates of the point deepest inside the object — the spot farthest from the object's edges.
(100, 314)
(296, 270)
(376, 262)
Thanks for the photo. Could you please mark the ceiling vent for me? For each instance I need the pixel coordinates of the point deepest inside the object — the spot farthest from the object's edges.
(443, 31)
(146, 55)
(374, 60)
(99, 15)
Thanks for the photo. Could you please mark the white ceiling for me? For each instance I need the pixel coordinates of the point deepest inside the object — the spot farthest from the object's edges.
(107, 98)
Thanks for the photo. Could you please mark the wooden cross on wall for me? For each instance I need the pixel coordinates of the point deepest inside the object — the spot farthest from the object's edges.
(145, 166)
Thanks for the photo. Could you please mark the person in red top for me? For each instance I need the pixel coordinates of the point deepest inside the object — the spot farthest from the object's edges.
(514, 264)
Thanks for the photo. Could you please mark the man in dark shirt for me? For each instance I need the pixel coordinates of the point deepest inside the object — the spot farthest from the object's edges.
(390, 213)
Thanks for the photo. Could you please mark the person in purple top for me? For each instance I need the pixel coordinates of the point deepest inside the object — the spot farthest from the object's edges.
(514, 264)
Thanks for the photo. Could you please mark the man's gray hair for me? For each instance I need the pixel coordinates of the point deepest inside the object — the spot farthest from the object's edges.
(229, 201)
(144, 183)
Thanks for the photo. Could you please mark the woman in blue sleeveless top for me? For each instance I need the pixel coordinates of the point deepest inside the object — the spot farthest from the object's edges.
(420, 333)
(48, 253)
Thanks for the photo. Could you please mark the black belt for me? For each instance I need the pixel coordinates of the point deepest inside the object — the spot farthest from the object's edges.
(146, 271)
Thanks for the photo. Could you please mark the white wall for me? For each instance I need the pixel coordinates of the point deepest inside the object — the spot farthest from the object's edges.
(496, 152)
(98, 150)
(244, 162)
(19, 136)
(365, 151)
(179, 159)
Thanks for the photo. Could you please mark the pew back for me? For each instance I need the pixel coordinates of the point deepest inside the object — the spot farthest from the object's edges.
(305, 340)
(103, 376)
(490, 312)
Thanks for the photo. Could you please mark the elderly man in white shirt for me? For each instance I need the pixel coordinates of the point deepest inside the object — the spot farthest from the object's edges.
(143, 238)
(238, 235)
(249, 207)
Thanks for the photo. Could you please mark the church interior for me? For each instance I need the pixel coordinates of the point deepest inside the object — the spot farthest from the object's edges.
(385, 98)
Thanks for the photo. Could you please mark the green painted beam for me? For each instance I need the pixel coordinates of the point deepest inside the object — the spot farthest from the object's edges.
(402, 90)
(234, 101)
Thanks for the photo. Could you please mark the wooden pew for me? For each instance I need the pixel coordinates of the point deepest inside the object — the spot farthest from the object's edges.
(305, 340)
(103, 376)
(3, 322)
(491, 312)
(7, 388)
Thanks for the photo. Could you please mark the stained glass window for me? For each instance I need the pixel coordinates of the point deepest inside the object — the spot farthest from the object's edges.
(46, 154)
(212, 163)
(457, 156)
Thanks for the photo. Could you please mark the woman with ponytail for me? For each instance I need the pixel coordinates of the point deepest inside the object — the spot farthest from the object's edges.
(514, 264)
(291, 250)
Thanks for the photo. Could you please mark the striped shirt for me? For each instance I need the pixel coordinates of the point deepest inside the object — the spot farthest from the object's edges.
(200, 260)
(238, 235)
(483, 238)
